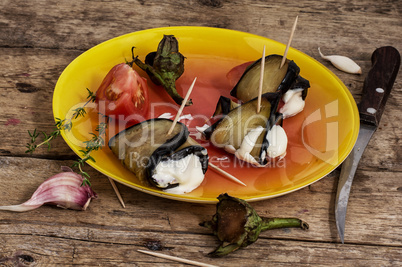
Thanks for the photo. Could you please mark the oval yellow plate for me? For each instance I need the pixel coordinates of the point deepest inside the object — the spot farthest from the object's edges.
(320, 137)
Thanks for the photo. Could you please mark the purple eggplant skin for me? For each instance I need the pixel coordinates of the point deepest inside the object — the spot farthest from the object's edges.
(160, 156)
(225, 107)
(301, 83)
(156, 147)
(136, 145)
(245, 92)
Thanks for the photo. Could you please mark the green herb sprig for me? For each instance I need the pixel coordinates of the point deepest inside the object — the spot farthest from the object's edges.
(61, 124)
(96, 142)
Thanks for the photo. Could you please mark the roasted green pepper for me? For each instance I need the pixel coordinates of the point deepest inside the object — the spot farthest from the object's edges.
(165, 66)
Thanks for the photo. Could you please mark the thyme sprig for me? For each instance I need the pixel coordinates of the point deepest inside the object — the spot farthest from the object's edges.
(96, 142)
(61, 124)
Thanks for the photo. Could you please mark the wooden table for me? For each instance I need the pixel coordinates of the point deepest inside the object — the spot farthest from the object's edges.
(38, 39)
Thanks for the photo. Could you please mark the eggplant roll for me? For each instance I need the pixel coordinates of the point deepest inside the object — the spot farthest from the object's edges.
(251, 136)
(276, 79)
(175, 163)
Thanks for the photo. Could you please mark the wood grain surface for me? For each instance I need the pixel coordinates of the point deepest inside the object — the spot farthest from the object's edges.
(38, 39)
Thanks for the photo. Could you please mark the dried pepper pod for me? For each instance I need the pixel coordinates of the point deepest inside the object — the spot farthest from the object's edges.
(236, 224)
(276, 79)
(244, 132)
(165, 66)
(175, 163)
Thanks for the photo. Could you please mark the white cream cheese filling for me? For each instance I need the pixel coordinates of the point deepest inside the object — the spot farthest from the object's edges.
(276, 137)
(248, 144)
(294, 103)
(186, 172)
(278, 142)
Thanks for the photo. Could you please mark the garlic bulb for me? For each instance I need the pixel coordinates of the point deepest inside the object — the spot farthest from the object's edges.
(65, 190)
(342, 63)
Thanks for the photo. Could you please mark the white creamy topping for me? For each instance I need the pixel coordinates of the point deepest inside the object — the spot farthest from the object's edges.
(230, 149)
(166, 116)
(276, 137)
(187, 172)
(278, 142)
(200, 132)
(186, 117)
(202, 128)
(197, 135)
(169, 115)
(294, 103)
(248, 144)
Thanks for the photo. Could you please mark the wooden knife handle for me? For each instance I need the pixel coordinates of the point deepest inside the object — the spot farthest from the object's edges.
(378, 83)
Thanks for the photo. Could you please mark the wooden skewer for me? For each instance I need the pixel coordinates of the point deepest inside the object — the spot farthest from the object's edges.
(261, 80)
(173, 258)
(290, 40)
(116, 190)
(183, 104)
(226, 174)
(231, 177)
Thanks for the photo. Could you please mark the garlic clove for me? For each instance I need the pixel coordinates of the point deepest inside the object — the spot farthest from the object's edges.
(342, 63)
(64, 190)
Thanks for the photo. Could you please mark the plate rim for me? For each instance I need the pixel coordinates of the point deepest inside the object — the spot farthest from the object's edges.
(184, 198)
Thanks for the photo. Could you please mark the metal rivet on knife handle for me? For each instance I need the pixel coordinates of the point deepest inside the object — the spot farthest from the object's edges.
(386, 61)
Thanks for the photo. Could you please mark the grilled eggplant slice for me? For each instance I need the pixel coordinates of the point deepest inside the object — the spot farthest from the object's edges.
(276, 79)
(244, 132)
(175, 163)
(224, 106)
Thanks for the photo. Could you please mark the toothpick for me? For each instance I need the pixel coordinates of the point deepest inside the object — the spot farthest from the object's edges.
(231, 177)
(290, 40)
(173, 258)
(226, 174)
(116, 190)
(261, 80)
(182, 107)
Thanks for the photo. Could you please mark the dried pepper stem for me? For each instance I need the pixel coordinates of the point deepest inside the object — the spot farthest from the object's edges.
(275, 223)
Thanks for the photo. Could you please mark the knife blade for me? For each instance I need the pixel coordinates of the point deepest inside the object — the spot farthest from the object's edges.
(376, 89)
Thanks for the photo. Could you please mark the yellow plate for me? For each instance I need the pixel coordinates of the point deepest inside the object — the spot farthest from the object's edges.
(320, 137)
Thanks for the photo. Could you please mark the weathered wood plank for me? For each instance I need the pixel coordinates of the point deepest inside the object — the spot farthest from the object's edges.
(331, 24)
(38, 39)
(27, 82)
(48, 250)
(105, 220)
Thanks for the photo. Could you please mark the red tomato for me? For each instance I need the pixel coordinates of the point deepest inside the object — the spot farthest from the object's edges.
(123, 94)
(235, 73)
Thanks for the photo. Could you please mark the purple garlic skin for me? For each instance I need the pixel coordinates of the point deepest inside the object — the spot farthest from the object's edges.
(64, 190)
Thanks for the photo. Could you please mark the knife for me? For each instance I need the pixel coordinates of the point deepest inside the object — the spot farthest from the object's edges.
(376, 89)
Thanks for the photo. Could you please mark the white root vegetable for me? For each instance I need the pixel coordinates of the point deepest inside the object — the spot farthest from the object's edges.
(65, 190)
(342, 63)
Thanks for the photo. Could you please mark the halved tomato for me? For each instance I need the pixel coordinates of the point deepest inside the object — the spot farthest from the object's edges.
(123, 94)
